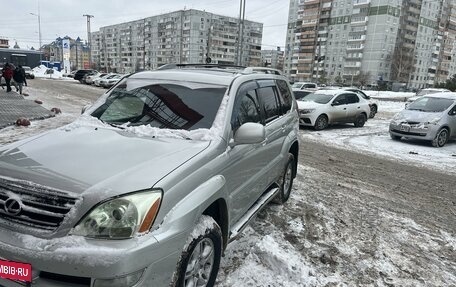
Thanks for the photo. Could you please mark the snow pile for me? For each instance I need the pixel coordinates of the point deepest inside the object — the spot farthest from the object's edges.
(45, 72)
(388, 95)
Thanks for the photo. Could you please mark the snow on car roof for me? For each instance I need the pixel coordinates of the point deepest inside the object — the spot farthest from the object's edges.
(191, 75)
(444, 95)
(331, 91)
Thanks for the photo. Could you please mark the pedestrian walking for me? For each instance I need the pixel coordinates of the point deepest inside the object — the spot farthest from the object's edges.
(19, 78)
(8, 75)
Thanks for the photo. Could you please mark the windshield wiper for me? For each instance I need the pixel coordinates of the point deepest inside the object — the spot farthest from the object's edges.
(112, 124)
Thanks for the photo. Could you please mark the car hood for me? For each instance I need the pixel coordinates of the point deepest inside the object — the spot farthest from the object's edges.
(416, 116)
(309, 105)
(86, 158)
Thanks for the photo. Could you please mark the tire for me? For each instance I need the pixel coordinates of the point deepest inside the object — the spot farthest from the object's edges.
(360, 121)
(321, 123)
(286, 181)
(200, 259)
(394, 137)
(373, 111)
(441, 138)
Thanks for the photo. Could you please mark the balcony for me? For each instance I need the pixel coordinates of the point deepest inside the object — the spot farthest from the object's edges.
(355, 39)
(361, 2)
(352, 65)
(355, 47)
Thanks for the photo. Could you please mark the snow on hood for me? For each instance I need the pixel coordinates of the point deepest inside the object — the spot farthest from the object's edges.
(417, 116)
(309, 105)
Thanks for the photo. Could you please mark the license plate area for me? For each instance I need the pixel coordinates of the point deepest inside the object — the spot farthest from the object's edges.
(405, 128)
(15, 271)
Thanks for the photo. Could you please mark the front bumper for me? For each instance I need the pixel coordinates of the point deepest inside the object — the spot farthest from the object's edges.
(414, 131)
(75, 261)
(307, 119)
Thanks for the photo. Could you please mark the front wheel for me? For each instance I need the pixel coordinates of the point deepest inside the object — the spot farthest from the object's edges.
(286, 181)
(441, 138)
(395, 137)
(321, 123)
(200, 259)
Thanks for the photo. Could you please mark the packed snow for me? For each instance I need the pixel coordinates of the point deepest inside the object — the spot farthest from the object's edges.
(45, 72)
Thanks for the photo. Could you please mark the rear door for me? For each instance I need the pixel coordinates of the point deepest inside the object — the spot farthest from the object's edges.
(338, 109)
(353, 106)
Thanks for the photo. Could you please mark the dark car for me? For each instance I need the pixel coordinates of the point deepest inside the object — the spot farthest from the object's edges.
(81, 73)
(28, 72)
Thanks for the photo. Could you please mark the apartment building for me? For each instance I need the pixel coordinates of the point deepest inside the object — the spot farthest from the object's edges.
(340, 41)
(272, 58)
(4, 43)
(79, 52)
(185, 36)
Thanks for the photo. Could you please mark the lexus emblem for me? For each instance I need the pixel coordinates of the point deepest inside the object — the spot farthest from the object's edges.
(13, 207)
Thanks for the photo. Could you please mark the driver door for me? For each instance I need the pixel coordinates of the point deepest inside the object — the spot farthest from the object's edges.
(339, 109)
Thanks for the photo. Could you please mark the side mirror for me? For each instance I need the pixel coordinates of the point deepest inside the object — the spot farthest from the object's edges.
(249, 133)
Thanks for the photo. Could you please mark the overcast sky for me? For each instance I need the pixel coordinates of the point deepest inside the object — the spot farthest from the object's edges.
(64, 17)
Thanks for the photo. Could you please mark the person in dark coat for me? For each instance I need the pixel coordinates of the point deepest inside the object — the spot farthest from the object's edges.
(8, 75)
(19, 78)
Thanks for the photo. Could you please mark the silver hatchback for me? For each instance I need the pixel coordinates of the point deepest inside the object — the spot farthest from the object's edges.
(431, 118)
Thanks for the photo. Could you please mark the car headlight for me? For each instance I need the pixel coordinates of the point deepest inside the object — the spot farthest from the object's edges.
(122, 217)
(306, 111)
(434, 121)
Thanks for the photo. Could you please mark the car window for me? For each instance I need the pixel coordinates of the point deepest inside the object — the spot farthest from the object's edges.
(285, 95)
(352, 98)
(299, 95)
(428, 104)
(269, 103)
(246, 110)
(168, 105)
(309, 86)
(318, 98)
(453, 111)
(340, 100)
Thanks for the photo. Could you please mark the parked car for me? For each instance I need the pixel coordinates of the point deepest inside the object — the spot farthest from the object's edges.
(424, 92)
(431, 117)
(28, 72)
(97, 81)
(373, 105)
(325, 107)
(300, 94)
(110, 81)
(89, 79)
(305, 85)
(153, 181)
(81, 73)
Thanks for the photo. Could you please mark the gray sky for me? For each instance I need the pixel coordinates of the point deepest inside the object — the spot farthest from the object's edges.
(64, 17)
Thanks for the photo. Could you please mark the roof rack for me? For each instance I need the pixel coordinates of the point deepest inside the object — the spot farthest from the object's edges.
(209, 66)
(264, 70)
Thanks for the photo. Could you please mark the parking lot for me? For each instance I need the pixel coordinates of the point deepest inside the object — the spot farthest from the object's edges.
(364, 211)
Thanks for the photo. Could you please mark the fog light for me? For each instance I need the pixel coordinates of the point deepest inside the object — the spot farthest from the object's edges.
(124, 281)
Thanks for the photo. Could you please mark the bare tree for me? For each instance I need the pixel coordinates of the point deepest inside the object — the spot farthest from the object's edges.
(362, 79)
(401, 64)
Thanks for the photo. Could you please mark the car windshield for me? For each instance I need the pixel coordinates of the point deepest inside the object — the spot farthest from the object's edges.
(297, 85)
(170, 105)
(318, 98)
(427, 92)
(431, 105)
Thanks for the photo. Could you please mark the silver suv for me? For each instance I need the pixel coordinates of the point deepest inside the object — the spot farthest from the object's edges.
(151, 183)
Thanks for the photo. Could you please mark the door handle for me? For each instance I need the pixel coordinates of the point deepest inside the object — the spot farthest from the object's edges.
(345, 109)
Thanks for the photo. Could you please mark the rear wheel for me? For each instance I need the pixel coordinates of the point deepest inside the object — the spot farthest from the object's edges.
(200, 259)
(286, 181)
(373, 111)
(321, 123)
(360, 121)
(441, 138)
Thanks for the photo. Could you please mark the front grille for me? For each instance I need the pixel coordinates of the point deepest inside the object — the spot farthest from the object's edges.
(41, 207)
(409, 133)
(58, 278)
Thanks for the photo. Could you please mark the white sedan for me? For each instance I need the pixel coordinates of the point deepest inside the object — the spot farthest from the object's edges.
(325, 107)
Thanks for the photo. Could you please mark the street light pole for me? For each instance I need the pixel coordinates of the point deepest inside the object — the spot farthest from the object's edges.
(39, 29)
(89, 42)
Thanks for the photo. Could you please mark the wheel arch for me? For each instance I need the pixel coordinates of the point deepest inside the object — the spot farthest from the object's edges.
(218, 210)
(294, 150)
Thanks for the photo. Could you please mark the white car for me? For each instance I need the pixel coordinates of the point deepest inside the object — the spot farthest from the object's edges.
(325, 107)
(97, 81)
(90, 79)
(110, 81)
(305, 86)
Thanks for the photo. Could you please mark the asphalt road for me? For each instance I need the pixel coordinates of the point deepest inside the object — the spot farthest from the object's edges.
(70, 87)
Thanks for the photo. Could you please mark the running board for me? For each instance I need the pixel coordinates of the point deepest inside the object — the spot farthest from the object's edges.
(250, 214)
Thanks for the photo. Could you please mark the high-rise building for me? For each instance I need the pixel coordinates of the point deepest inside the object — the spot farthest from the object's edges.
(370, 41)
(186, 36)
(272, 58)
